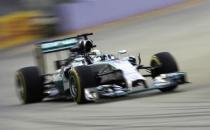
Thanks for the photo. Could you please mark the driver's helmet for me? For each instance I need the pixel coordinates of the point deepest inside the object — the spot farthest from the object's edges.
(86, 45)
(96, 52)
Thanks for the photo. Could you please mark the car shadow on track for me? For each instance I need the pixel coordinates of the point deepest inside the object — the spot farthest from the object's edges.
(138, 96)
(58, 102)
(117, 99)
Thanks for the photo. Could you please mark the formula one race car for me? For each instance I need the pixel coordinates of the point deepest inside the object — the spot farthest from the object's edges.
(87, 74)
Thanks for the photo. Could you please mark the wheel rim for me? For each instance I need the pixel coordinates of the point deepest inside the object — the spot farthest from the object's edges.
(154, 72)
(20, 88)
(73, 88)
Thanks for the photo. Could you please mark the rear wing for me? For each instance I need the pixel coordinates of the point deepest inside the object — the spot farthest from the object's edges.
(61, 44)
(58, 45)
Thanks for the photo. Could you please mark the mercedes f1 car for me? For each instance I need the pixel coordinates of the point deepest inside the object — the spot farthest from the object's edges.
(87, 74)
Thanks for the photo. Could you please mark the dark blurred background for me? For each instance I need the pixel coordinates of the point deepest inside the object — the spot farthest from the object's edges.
(9, 6)
(24, 21)
(28, 21)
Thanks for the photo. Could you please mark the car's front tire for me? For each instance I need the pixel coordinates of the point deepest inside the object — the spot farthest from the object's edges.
(81, 77)
(164, 63)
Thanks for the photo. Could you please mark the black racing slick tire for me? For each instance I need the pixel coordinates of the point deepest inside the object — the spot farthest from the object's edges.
(29, 85)
(163, 63)
(81, 77)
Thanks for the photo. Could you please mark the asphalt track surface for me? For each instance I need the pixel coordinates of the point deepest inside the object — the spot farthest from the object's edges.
(184, 33)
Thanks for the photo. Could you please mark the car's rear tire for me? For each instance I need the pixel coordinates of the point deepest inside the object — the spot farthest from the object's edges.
(164, 63)
(29, 85)
(81, 77)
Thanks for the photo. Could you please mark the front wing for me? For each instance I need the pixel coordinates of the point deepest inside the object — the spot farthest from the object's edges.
(162, 81)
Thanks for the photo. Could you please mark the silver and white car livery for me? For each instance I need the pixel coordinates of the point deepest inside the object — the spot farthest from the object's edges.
(87, 75)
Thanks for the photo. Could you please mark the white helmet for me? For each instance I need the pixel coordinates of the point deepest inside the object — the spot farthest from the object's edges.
(96, 52)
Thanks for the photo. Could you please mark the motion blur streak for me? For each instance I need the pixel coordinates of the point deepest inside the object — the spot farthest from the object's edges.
(184, 33)
(19, 28)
